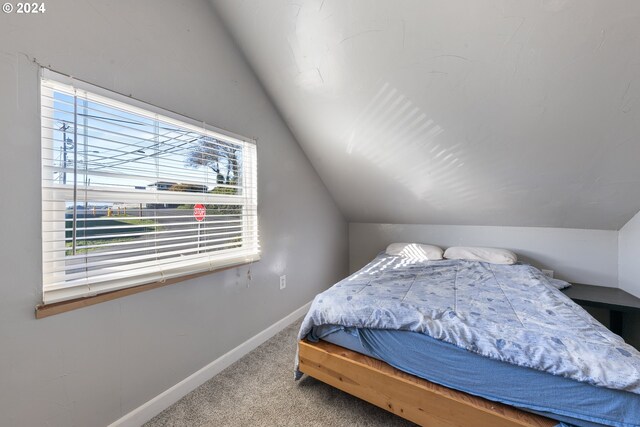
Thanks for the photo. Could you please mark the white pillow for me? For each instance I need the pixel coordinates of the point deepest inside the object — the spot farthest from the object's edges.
(491, 255)
(415, 251)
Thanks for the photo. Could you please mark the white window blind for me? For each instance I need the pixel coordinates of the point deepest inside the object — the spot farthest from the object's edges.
(131, 195)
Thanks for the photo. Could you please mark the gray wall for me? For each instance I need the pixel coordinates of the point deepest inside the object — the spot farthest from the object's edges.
(584, 256)
(629, 274)
(90, 366)
(629, 256)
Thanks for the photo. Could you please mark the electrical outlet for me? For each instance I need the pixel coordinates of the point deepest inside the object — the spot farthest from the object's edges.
(283, 282)
(548, 273)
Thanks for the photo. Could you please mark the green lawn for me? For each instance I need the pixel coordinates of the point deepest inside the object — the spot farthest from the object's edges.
(95, 242)
(105, 221)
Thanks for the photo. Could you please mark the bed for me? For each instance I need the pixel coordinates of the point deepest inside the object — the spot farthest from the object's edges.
(457, 342)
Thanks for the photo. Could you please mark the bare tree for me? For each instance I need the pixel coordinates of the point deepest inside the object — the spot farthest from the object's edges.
(220, 156)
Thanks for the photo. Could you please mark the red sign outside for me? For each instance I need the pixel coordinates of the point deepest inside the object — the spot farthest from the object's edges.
(199, 212)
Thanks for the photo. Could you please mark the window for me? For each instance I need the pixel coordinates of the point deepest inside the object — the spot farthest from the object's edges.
(132, 195)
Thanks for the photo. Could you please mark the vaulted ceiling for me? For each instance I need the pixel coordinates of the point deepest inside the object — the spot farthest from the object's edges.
(519, 113)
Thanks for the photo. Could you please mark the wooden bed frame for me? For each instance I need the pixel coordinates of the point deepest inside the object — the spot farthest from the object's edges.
(405, 395)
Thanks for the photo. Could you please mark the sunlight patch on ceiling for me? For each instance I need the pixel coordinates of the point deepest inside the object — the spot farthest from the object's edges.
(397, 137)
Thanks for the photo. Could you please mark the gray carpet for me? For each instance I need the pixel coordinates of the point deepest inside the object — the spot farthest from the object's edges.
(259, 390)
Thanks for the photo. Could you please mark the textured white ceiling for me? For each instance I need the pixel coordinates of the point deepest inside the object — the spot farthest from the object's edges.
(458, 112)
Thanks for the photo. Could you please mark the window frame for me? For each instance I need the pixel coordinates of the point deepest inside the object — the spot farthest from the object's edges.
(53, 300)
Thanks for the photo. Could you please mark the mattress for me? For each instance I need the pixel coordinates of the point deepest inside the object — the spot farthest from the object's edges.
(562, 399)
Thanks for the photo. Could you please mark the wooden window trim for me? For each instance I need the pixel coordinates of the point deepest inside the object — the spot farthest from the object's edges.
(46, 310)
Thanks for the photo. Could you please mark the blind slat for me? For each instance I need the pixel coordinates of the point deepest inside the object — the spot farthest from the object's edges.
(131, 260)
(200, 231)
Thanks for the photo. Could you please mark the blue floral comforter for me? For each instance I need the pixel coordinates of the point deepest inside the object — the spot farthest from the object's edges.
(506, 312)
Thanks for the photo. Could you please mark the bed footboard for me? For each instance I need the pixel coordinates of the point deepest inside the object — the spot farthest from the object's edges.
(405, 395)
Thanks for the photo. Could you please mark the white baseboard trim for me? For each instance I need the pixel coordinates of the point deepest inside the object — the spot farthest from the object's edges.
(153, 407)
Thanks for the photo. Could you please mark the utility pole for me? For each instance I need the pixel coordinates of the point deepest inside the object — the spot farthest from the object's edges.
(64, 129)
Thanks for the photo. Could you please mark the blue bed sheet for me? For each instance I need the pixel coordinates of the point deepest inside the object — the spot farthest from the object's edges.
(553, 396)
